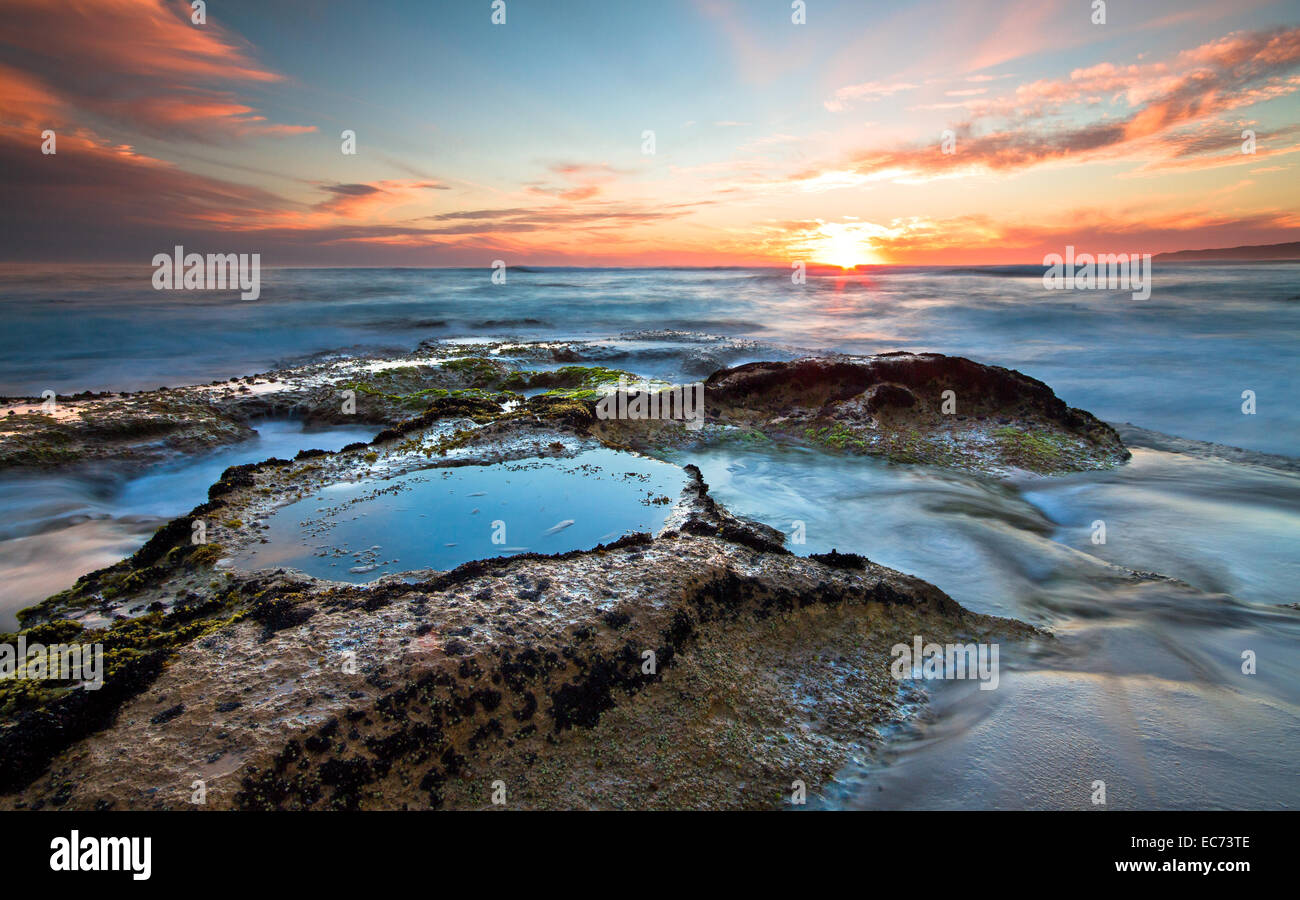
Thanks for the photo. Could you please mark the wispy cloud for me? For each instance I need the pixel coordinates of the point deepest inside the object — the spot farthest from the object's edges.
(1105, 109)
(139, 63)
(867, 92)
(820, 137)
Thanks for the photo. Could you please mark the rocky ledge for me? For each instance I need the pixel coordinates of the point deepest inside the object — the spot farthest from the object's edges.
(705, 666)
(702, 666)
(918, 407)
(145, 427)
(906, 407)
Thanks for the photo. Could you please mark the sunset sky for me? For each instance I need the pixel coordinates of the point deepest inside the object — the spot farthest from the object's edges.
(774, 142)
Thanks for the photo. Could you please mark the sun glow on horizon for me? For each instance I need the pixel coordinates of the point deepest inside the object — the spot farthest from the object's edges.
(833, 151)
(845, 244)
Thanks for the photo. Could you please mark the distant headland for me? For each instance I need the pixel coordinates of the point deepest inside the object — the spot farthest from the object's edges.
(1254, 252)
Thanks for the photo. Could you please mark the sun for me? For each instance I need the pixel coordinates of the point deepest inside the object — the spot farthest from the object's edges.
(844, 244)
(843, 250)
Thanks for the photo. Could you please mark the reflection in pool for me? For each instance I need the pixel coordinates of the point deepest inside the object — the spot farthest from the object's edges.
(439, 518)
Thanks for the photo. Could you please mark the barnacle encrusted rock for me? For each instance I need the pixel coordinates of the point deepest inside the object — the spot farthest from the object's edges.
(906, 407)
(384, 390)
(706, 666)
(916, 407)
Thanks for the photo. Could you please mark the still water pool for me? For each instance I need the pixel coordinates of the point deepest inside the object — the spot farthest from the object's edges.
(440, 518)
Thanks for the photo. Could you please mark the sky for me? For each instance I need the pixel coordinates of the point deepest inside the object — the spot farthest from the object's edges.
(692, 133)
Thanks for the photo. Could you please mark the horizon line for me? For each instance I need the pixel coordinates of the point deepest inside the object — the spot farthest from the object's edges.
(527, 267)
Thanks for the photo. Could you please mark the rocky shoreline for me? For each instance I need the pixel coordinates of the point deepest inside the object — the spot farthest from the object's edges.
(907, 407)
(274, 689)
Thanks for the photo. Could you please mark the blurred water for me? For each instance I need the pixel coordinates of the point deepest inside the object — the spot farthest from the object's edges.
(1177, 362)
(1143, 688)
(57, 527)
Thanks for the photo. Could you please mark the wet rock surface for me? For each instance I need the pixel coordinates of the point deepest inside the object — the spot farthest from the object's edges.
(705, 666)
(912, 408)
(148, 426)
(688, 668)
(918, 408)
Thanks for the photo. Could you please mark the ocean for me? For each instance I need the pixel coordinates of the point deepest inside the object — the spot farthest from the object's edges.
(1143, 686)
(1177, 362)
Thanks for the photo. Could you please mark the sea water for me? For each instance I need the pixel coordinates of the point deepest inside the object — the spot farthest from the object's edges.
(439, 518)
(1143, 686)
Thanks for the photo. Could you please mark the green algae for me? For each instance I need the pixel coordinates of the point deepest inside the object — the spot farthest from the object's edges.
(904, 445)
(479, 371)
(571, 378)
(206, 555)
(838, 437)
(1035, 449)
(573, 393)
(123, 643)
(414, 387)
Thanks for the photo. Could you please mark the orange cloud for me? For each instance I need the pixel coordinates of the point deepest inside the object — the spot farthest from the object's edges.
(138, 63)
(1236, 71)
(360, 201)
(24, 101)
(979, 239)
